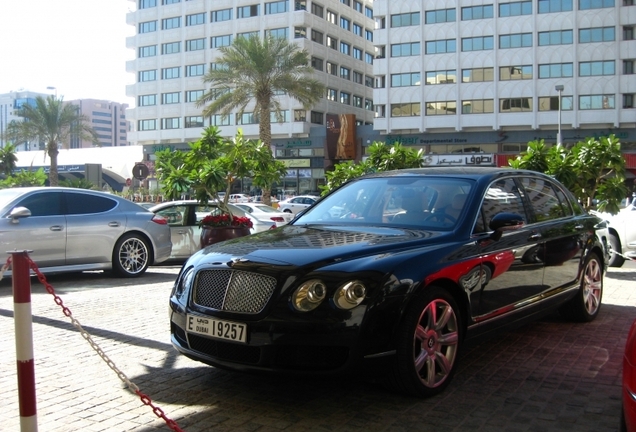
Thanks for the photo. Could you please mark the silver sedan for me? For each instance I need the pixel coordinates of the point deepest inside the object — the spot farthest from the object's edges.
(71, 230)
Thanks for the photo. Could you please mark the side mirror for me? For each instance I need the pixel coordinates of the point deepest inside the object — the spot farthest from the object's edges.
(19, 212)
(502, 222)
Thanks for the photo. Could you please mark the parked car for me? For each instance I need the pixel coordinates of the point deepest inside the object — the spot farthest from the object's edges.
(240, 198)
(266, 213)
(628, 412)
(296, 204)
(622, 227)
(183, 218)
(416, 263)
(72, 230)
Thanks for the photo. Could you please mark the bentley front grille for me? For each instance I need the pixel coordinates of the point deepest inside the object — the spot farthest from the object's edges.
(233, 290)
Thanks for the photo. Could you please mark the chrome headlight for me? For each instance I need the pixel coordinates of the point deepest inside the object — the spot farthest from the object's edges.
(183, 282)
(309, 295)
(350, 295)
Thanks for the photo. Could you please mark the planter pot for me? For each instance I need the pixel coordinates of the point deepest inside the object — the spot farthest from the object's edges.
(211, 235)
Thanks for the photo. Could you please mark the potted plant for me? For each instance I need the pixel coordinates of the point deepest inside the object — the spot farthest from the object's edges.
(223, 226)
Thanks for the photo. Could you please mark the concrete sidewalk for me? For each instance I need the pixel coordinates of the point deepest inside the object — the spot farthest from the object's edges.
(551, 375)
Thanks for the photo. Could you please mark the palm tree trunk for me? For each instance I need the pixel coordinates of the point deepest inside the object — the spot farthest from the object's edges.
(53, 152)
(265, 134)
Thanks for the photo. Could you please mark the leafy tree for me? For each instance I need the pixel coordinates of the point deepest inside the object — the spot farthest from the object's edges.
(78, 183)
(591, 169)
(254, 71)
(53, 122)
(8, 159)
(213, 163)
(24, 178)
(381, 158)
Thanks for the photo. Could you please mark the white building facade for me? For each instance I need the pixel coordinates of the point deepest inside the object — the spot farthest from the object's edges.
(468, 75)
(107, 118)
(10, 103)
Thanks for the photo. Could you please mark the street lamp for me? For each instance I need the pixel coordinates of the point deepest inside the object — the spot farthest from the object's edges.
(559, 88)
(53, 88)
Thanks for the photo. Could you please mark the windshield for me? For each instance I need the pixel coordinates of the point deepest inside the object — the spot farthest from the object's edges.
(8, 195)
(416, 202)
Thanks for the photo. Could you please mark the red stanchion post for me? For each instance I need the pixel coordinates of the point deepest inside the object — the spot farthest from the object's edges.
(21, 281)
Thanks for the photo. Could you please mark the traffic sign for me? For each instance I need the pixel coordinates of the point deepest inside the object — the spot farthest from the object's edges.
(140, 171)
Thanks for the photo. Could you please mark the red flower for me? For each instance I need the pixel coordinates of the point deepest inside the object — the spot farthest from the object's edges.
(225, 220)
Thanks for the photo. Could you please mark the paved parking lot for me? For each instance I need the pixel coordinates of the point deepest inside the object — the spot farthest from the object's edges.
(550, 375)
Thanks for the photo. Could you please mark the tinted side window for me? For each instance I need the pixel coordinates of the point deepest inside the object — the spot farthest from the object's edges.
(565, 203)
(545, 203)
(79, 203)
(43, 204)
(501, 196)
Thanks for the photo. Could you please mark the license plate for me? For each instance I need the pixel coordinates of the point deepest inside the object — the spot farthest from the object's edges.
(217, 328)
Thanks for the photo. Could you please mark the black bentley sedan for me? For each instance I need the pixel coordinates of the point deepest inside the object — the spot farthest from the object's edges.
(394, 270)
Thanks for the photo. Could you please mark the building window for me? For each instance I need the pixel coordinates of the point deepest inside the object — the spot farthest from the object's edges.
(628, 100)
(357, 101)
(317, 36)
(368, 81)
(551, 103)
(147, 100)
(220, 120)
(628, 67)
(193, 122)
(357, 29)
(441, 46)
(221, 41)
(596, 102)
(368, 12)
(171, 48)
(332, 42)
(345, 98)
(549, 6)
(247, 35)
(597, 68)
(167, 2)
(300, 5)
(170, 73)
(512, 73)
(368, 58)
(380, 111)
(519, 40)
(628, 33)
(478, 75)
(595, 4)
(556, 37)
(433, 78)
(345, 23)
(195, 19)
(148, 27)
(368, 104)
(515, 105)
(317, 117)
(170, 98)
(193, 95)
(300, 115)
(145, 4)
(317, 10)
(405, 49)
(357, 6)
(247, 11)
(276, 7)
(221, 15)
(358, 77)
(146, 125)
(556, 70)
(300, 32)
(148, 51)
(441, 108)
(195, 70)
(332, 17)
(368, 35)
(195, 44)
(477, 12)
(170, 23)
(357, 53)
(170, 123)
(246, 118)
(332, 94)
(331, 68)
(408, 19)
(345, 48)
(345, 73)
(277, 33)
(481, 43)
(148, 75)
(406, 110)
(515, 9)
(597, 34)
(380, 81)
(478, 106)
(317, 63)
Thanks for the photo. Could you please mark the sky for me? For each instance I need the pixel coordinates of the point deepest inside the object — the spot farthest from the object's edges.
(76, 46)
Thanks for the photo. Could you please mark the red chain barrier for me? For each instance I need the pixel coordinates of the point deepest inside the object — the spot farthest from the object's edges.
(67, 312)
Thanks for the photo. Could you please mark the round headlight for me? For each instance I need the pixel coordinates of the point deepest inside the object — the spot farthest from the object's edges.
(350, 295)
(309, 295)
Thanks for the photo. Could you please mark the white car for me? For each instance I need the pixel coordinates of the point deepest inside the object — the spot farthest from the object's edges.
(240, 198)
(266, 213)
(622, 230)
(296, 204)
(183, 218)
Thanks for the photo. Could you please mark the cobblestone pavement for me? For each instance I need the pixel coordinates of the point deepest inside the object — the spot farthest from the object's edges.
(550, 375)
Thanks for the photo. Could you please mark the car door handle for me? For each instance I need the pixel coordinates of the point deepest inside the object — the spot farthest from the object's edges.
(181, 232)
(56, 228)
(579, 227)
(534, 236)
(113, 224)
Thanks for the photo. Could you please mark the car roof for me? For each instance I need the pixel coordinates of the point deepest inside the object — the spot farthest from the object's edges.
(455, 171)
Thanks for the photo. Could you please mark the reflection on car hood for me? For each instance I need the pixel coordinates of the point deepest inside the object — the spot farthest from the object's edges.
(299, 245)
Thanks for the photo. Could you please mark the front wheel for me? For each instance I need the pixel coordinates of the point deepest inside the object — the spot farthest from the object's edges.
(428, 345)
(584, 307)
(615, 260)
(131, 256)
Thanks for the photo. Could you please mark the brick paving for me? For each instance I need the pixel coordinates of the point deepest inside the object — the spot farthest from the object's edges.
(550, 375)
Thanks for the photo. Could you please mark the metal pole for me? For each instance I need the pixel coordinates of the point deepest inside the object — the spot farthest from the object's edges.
(559, 88)
(21, 282)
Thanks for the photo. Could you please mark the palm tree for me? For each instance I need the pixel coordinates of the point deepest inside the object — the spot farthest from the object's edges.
(255, 71)
(53, 122)
(8, 159)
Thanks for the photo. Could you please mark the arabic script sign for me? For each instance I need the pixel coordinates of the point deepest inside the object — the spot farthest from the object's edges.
(478, 159)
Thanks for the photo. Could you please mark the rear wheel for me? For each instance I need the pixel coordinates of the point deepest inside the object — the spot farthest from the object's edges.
(586, 304)
(131, 256)
(428, 345)
(615, 259)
